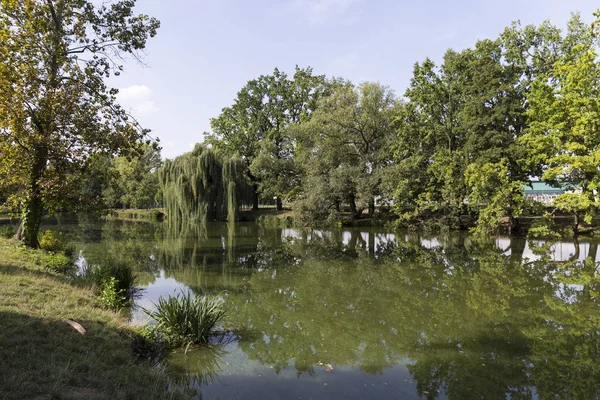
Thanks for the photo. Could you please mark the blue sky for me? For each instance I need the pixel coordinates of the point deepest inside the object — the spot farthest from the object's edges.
(206, 51)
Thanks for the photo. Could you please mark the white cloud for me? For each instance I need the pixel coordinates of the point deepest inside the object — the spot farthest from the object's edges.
(319, 12)
(138, 98)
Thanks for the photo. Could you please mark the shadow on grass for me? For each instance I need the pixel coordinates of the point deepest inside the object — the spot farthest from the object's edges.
(48, 359)
(12, 270)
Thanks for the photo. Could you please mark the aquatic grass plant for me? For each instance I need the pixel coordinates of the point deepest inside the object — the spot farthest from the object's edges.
(186, 319)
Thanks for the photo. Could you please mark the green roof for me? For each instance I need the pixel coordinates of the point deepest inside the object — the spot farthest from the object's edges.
(544, 187)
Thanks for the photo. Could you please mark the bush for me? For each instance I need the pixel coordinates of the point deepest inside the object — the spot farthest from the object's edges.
(185, 319)
(115, 280)
(8, 231)
(59, 263)
(54, 262)
(55, 242)
(112, 297)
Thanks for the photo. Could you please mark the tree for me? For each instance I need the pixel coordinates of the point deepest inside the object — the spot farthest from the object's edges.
(494, 194)
(345, 146)
(202, 185)
(468, 120)
(254, 127)
(56, 110)
(137, 179)
(564, 132)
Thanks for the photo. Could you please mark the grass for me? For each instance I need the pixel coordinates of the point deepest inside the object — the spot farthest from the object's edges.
(44, 358)
(186, 319)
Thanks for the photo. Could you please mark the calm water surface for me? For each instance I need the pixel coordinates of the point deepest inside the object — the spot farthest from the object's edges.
(365, 313)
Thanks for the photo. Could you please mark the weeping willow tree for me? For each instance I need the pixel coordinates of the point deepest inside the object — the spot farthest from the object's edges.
(202, 186)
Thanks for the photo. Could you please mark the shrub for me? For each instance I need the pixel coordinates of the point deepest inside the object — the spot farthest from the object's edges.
(55, 242)
(8, 231)
(59, 263)
(185, 319)
(543, 228)
(112, 297)
(114, 280)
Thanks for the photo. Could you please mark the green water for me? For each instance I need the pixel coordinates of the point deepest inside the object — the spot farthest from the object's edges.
(365, 313)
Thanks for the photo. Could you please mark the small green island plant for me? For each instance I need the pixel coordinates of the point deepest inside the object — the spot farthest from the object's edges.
(185, 319)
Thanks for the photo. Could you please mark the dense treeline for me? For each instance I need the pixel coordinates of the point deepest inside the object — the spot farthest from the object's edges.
(57, 111)
(107, 182)
(463, 141)
(459, 145)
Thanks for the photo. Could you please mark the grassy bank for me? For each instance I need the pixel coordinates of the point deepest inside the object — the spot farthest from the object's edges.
(131, 214)
(45, 358)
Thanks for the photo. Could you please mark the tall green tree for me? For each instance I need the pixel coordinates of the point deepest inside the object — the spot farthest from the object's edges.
(137, 179)
(463, 123)
(564, 132)
(202, 185)
(345, 149)
(55, 108)
(254, 127)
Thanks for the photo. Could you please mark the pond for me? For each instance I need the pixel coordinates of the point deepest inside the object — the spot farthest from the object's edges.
(367, 313)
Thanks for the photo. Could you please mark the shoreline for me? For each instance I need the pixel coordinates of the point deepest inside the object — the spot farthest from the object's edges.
(44, 357)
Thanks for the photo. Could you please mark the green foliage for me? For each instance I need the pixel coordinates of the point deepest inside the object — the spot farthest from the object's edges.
(203, 185)
(8, 231)
(55, 242)
(114, 281)
(493, 195)
(254, 127)
(543, 228)
(344, 152)
(56, 110)
(111, 296)
(59, 263)
(136, 184)
(50, 261)
(186, 319)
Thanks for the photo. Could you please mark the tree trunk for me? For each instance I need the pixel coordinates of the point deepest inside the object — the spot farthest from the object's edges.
(278, 204)
(576, 224)
(34, 206)
(593, 252)
(513, 223)
(255, 197)
(372, 207)
(353, 210)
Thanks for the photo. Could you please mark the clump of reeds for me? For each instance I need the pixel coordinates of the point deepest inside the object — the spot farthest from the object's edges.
(186, 319)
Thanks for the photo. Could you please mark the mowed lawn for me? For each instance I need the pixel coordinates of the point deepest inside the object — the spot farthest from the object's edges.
(42, 357)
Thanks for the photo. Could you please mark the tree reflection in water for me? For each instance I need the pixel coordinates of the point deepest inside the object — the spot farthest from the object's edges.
(469, 320)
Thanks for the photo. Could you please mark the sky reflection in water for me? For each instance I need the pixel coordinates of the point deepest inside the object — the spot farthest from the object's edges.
(371, 314)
